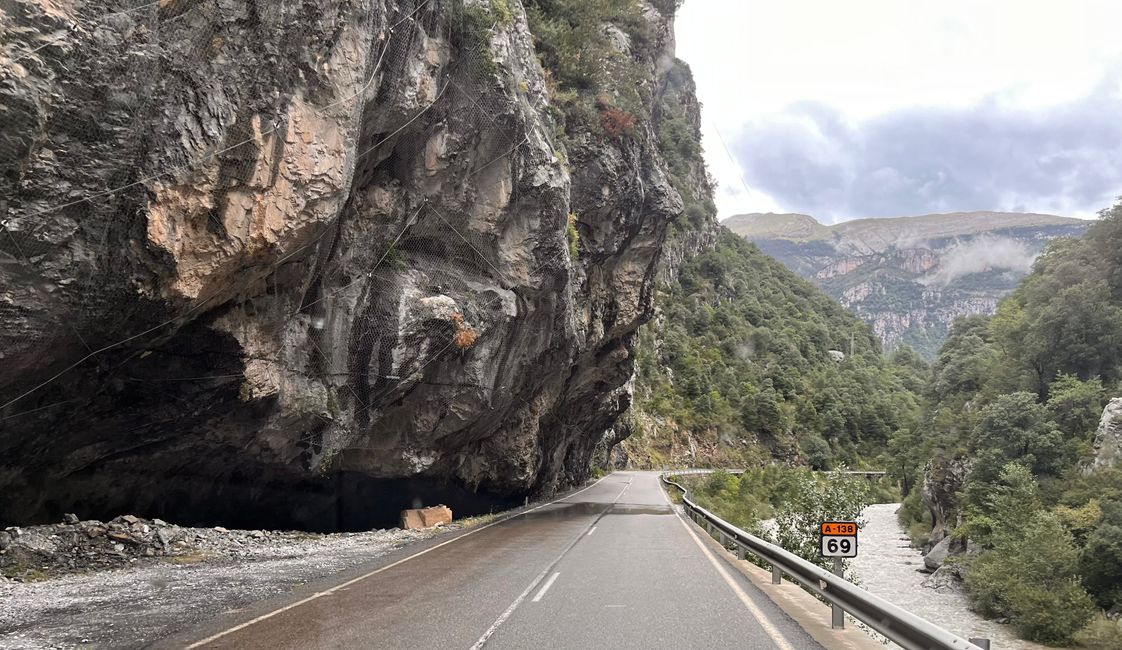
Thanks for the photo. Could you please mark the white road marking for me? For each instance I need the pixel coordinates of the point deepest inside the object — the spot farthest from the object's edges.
(546, 586)
(592, 530)
(318, 594)
(509, 610)
(541, 576)
(759, 615)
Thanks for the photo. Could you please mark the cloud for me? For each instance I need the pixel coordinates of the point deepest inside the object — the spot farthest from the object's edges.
(1064, 159)
(982, 254)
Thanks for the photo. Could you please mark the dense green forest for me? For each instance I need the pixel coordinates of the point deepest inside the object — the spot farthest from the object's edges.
(1014, 400)
(748, 362)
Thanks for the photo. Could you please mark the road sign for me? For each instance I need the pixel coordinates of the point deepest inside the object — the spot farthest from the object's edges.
(838, 539)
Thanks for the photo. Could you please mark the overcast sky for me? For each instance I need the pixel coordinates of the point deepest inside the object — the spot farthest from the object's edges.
(873, 108)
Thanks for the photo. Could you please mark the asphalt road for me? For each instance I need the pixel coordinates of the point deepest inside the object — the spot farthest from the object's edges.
(611, 566)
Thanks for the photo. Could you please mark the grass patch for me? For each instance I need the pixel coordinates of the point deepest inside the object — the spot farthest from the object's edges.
(476, 521)
(23, 570)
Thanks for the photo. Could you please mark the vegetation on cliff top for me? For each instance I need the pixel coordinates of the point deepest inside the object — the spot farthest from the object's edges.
(588, 49)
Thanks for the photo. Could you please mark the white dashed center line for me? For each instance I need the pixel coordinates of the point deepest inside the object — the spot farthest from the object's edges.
(546, 586)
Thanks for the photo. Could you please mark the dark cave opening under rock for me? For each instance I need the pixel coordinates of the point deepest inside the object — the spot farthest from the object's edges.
(340, 502)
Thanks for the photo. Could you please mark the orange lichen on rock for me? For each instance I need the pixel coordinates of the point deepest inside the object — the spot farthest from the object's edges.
(465, 334)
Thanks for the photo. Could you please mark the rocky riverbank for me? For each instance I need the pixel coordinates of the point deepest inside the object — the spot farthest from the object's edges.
(888, 566)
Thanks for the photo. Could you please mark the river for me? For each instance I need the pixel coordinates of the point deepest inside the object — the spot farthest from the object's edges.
(888, 566)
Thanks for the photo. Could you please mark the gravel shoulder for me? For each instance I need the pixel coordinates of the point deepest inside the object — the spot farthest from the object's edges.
(152, 594)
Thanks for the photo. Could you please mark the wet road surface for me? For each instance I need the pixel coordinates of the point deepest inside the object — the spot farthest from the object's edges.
(609, 566)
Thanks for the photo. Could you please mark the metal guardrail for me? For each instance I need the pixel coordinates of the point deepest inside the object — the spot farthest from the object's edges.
(899, 626)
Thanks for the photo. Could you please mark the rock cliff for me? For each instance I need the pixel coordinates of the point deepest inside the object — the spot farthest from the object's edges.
(910, 277)
(290, 263)
(1108, 438)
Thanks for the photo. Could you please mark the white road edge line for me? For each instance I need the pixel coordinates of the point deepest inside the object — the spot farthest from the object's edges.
(364, 576)
(592, 530)
(756, 612)
(546, 586)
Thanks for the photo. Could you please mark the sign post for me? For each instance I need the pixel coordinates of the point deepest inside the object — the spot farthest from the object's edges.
(837, 614)
(838, 539)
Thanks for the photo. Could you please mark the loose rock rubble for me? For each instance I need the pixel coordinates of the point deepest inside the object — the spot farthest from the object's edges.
(38, 552)
(70, 589)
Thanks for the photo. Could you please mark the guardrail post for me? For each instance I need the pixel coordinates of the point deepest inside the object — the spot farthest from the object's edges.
(837, 620)
(776, 575)
(741, 552)
(984, 644)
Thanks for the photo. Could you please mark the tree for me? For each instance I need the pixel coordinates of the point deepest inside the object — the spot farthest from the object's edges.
(996, 511)
(964, 362)
(1016, 427)
(1100, 562)
(837, 496)
(1076, 405)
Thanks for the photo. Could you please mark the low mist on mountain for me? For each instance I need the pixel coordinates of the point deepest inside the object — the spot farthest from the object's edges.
(910, 277)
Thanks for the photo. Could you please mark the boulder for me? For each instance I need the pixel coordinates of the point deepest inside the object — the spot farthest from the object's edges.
(418, 518)
(937, 555)
(946, 579)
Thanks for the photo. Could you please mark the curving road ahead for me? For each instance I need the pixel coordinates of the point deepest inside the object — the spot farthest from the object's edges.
(609, 566)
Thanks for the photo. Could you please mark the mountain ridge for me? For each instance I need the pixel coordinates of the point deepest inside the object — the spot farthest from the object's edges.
(910, 277)
(772, 225)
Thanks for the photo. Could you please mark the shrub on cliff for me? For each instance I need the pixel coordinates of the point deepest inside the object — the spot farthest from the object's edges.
(574, 44)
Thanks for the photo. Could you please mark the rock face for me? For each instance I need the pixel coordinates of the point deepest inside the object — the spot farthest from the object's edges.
(942, 480)
(1108, 437)
(910, 277)
(260, 255)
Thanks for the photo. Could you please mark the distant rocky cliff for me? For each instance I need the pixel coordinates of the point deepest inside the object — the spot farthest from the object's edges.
(258, 257)
(910, 277)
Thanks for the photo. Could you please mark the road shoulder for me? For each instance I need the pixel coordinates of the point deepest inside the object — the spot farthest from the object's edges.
(811, 614)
